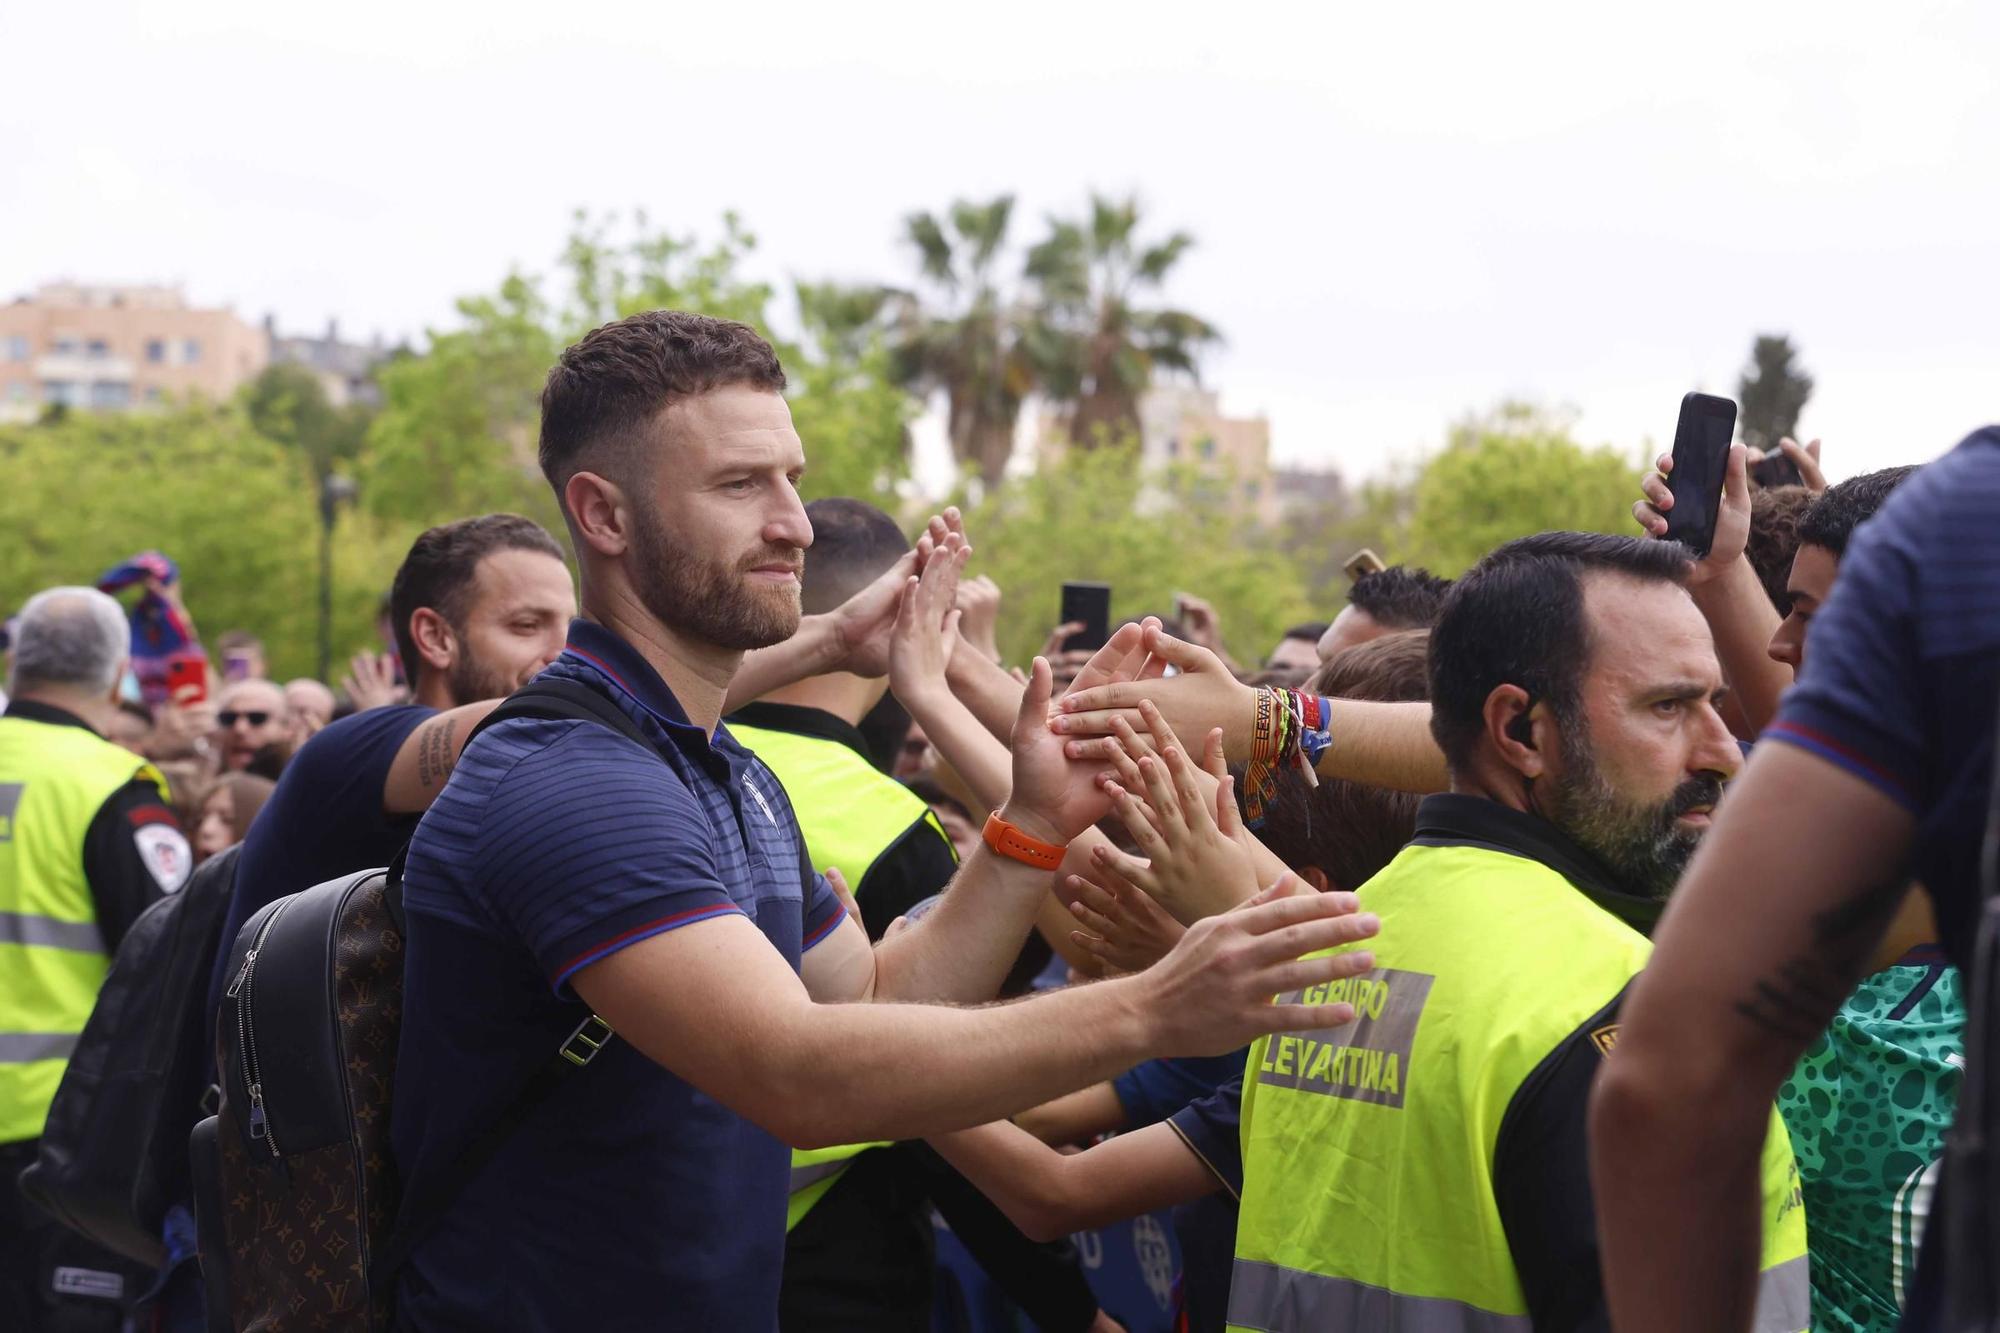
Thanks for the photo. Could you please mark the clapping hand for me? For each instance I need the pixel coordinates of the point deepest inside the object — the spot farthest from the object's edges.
(927, 624)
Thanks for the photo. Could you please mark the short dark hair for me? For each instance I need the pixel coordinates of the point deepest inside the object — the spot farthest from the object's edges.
(440, 570)
(853, 542)
(1310, 631)
(1831, 519)
(236, 639)
(1350, 830)
(1516, 618)
(1774, 538)
(1400, 597)
(610, 384)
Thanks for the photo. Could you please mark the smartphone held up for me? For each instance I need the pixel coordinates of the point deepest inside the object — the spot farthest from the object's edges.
(1701, 459)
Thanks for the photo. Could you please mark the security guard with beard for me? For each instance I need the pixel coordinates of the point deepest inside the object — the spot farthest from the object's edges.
(1426, 1167)
(86, 844)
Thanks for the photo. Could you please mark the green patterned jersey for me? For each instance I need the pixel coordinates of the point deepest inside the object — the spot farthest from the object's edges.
(1867, 1108)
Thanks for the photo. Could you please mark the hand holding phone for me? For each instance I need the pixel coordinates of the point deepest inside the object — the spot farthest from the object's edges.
(1701, 461)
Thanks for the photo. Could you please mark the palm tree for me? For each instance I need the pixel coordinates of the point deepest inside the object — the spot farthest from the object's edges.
(969, 344)
(1094, 348)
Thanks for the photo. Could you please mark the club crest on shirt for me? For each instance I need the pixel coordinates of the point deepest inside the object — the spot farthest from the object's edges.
(166, 854)
(1604, 1038)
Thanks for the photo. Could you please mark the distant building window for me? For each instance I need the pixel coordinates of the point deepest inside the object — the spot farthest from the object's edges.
(191, 352)
(156, 350)
(17, 348)
(68, 393)
(110, 395)
(1208, 449)
(154, 395)
(65, 347)
(97, 349)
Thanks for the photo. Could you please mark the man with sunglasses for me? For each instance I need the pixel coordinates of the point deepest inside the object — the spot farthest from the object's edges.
(251, 714)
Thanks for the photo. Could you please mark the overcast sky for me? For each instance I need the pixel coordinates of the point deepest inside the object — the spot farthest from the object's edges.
(1404, 212)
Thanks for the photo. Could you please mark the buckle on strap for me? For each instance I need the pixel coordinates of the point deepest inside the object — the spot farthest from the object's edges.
(590, 1037)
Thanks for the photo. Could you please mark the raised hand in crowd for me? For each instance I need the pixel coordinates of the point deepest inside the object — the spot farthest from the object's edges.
(1198, 857)
(1065, 662)
(979, 600)
(1384, 744)
(1123, 927)
(1203, 624)
(1805, 457)
(1731, 597)
(371, 682)
(927, 627)
(184, 726)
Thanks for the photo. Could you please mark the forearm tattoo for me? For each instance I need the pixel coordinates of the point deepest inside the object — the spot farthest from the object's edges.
(1799, 1001)
(435, 755)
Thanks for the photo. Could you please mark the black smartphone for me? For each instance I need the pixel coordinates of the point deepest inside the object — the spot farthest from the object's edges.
(1089, 605)
(1774, 470)
(1701, 457)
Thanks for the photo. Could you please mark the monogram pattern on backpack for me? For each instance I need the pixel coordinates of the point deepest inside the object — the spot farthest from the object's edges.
(301, 1230)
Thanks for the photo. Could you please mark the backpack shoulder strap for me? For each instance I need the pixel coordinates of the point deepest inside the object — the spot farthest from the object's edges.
(552, 699)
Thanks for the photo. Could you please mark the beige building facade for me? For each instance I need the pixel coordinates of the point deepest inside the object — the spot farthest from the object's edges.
(95, 348)
(1181, 425)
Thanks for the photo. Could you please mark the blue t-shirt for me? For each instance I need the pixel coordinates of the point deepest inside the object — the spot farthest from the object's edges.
(323, 820)
(1212, 1128)
(1902, 683)
(628, 1199)
(1150, 1092)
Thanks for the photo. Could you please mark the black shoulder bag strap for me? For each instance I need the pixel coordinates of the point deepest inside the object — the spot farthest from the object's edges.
(559, 700)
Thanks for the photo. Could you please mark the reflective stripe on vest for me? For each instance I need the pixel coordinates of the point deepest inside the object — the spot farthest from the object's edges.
(27, 928)
(850, 813)
(1270, 1297)
(1369, 1150)
(53, 781)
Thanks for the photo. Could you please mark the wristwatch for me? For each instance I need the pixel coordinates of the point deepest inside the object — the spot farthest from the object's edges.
(1009, 841)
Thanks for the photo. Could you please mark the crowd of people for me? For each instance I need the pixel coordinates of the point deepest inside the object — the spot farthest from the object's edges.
(1587, 941)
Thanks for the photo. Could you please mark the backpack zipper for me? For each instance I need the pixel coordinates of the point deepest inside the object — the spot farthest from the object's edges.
(242, 991)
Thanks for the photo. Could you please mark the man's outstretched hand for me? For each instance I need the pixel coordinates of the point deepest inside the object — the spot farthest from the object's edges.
(1212, 993)
(1203, 697)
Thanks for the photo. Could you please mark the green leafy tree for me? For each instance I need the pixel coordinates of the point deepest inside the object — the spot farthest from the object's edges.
(1771, 393)
(1096, 348)
(963, 335)
(458, 428)
(234, 508)
(1510, 473)
(1092, 515)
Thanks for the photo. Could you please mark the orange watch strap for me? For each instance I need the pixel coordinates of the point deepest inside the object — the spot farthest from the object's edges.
(1010, 842)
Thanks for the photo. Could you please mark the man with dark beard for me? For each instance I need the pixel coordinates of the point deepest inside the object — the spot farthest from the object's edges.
(1427, 1167)
(656, 899)
(479, 606)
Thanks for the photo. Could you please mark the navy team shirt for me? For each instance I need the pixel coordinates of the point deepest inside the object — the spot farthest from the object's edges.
(1902, 683)
(628, 1199)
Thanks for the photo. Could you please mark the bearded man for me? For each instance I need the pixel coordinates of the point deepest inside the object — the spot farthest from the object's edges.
(1427, 1167)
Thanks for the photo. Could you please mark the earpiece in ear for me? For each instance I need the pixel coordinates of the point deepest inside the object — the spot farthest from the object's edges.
(1522, 729)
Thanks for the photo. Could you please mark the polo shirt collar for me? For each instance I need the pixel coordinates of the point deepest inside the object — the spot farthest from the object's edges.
(600, 648)
(802, 721)
(28, 710)
(1455, 820)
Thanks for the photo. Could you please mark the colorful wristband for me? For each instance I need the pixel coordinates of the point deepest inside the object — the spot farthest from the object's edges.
(1008, 840)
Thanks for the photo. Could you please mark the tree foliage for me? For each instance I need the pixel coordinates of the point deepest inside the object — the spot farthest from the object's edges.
(236, 510)
(1096, 348)
(1771, 393)
(457, 432)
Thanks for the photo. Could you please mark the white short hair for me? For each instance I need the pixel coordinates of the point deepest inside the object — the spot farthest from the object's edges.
(70, 638)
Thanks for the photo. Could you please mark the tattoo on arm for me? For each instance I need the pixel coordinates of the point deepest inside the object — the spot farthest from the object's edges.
(1799, 1001)
(435, 755)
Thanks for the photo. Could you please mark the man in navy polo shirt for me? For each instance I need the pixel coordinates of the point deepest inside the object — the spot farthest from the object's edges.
(566, 870)
(1879, 771)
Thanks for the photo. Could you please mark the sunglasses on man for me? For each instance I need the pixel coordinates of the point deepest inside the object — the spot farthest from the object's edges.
(230, 718)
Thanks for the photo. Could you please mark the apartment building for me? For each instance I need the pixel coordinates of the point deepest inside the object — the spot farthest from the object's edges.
(104, 348)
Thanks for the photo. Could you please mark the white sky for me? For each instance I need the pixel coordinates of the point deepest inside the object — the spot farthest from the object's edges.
(1405, 212)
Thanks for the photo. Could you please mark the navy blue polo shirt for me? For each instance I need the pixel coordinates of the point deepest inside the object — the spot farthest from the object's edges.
(1902, 683)
(628, 1199)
